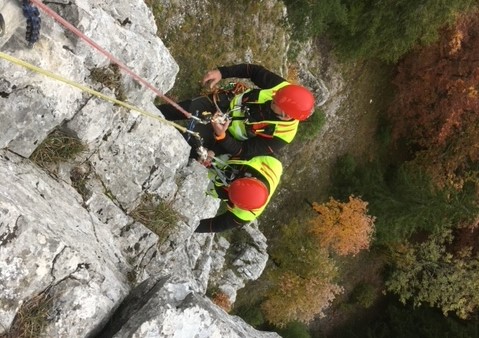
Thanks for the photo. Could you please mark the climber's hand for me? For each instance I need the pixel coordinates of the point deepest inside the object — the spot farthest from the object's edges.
(220, 127)
(209, 158)
(212, 77)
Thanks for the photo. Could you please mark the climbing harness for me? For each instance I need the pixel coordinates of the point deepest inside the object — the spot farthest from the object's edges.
(231, 89)
(223, 171)
(108, 55)
(32, 15)
(94, 92)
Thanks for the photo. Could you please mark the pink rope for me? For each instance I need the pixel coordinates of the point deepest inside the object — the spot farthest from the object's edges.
(120, 64)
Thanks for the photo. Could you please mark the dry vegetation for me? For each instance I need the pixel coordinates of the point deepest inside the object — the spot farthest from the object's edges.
(57, 147)
(158, 216)
(204, 35)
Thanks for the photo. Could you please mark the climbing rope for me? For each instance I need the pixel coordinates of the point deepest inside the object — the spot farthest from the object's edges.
(93, 92)
(120, 64)
(32, 15)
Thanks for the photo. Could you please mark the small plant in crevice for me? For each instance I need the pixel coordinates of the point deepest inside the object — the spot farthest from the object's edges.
(221, 299)
(56, 148)
(110, 77)
(158, 216)
(31, 318)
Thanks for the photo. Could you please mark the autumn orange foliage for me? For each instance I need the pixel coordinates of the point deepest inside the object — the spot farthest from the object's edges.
(437, 103)
(222, 300)
(299, 298)
(345, 228)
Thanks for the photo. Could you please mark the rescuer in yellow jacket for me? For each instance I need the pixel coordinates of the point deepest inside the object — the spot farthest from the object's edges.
(245, 188)
(262, 120)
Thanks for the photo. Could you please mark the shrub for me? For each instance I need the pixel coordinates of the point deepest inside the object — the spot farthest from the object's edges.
(387, 30)
(437, 104)
(302, 283)
(251, 314)
(310, 128)
(403, 199)
(295, 330)
(364, 295)
(298, 298)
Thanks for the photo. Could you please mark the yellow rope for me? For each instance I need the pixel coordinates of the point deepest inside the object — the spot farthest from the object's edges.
(91, 91)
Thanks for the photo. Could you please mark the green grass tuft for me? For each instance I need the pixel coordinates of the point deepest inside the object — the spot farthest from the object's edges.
(159, 217)
(56, 148)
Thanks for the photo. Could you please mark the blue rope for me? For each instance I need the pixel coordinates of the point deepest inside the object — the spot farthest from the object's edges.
(33, 22)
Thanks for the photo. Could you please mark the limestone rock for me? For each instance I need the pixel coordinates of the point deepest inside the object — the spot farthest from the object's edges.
(77, 249)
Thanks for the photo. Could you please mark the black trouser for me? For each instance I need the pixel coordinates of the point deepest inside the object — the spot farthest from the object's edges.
(196, 107)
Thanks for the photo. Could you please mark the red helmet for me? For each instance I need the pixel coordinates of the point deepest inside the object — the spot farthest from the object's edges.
(295, 101)
(248, 193)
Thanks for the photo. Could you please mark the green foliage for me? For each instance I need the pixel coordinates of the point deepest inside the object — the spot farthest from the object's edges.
(309, 129)
(403, 200)
(389, 29)
(159, 217)
(400, 321)
(311, 18)
(295, 330)
(364, 295)
(370, 28)
(297, 251)
(429, 273)
(302, 284)
(56, 148)
(251, 314)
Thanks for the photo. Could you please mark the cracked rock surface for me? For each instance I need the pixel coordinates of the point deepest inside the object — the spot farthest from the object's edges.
(81, 246)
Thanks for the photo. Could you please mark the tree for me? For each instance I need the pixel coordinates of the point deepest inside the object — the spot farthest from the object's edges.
(389, 29)
(297, 298)
(344, 228)
(430, 273)
(302, 281)
(436, 108)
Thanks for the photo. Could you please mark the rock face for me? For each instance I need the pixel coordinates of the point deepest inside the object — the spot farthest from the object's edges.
(80, 249)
